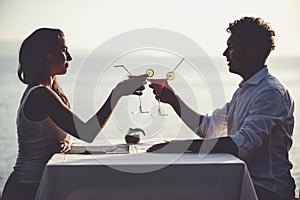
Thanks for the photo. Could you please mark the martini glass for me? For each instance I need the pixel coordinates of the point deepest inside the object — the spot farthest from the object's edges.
(140, 109)
(130, 75)
(158, 85)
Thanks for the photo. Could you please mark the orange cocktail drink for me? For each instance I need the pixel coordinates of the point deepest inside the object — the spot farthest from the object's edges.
(158, 83)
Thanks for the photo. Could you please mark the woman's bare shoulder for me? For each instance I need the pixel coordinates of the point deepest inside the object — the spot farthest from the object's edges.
(42, 93)
(39, 101)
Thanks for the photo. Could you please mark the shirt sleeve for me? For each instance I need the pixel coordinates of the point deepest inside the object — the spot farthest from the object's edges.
(268, 109)
(215, 125)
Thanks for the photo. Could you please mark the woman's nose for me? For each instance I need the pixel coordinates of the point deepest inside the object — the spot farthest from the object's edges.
(225, 53)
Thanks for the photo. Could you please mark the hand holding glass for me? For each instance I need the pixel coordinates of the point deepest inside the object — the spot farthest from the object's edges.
(158, 85)
(140, 110)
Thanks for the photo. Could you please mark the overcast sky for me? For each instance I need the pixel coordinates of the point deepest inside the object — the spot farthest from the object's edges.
(89, 23)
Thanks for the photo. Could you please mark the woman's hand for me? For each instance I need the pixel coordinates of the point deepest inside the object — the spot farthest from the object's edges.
(133, 85)
(66, 144)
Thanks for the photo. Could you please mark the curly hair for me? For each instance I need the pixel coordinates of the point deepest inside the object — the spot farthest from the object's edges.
(251, 30)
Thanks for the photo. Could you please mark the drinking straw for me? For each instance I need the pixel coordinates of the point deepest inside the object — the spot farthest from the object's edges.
(178, 64)
(125, 69)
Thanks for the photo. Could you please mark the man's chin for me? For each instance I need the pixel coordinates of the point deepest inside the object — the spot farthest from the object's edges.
(233, 71)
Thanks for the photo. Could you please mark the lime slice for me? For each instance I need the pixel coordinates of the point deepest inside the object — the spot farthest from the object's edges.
(150, 72)
(170, 76)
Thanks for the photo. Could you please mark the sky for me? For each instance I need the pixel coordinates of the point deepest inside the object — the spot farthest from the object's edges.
(88, 23)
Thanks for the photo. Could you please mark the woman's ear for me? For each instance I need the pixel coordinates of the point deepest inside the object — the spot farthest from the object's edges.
(48, 55)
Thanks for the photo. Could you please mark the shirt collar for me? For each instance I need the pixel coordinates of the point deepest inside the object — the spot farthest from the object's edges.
(256, 78)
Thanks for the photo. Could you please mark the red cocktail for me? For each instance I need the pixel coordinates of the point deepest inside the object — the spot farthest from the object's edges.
(158, 85)
(140, 101)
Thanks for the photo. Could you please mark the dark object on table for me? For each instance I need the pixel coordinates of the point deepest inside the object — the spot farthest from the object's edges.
(216, 145)
(133, 135)
(132, 139)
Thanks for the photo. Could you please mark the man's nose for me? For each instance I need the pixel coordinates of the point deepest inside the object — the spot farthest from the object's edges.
(69, 57)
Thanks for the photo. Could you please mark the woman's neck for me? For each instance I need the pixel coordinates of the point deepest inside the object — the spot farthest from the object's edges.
(46, 81)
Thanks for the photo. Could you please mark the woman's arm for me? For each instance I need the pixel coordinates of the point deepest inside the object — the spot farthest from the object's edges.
(45, 103)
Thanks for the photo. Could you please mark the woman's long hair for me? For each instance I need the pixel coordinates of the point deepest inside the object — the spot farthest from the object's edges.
(32, 58)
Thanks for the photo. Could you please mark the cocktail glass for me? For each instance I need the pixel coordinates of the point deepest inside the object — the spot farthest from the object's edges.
(158, 85)
(130, 75)
(140, 109)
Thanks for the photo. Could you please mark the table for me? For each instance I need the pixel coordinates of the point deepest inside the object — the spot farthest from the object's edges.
(136, 175)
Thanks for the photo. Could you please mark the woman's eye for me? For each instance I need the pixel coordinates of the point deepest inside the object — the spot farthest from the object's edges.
(65, 49)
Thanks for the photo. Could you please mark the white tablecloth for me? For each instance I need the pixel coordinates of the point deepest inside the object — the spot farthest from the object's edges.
(145, 176)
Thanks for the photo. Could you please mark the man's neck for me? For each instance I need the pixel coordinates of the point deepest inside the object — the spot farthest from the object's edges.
(251, 71)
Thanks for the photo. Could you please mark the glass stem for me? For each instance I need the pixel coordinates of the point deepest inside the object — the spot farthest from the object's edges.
(140, 106)
(159, 111)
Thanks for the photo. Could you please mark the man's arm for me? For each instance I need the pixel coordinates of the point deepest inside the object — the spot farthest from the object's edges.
(269, 110)
(204, 126)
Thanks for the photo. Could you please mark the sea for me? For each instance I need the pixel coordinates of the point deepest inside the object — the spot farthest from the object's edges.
(203, 84)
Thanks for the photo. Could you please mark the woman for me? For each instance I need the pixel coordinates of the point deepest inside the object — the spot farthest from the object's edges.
(44, 119)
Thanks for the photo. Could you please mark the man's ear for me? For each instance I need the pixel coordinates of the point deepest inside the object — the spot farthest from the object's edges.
(252, 52)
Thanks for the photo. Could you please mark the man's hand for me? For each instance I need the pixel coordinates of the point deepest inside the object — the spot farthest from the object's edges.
(175, 146)
(214, 145)
(167, 95)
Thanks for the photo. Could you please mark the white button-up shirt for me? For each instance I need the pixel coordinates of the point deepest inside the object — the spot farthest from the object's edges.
(259, 119)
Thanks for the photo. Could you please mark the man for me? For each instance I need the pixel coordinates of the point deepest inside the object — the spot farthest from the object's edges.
(258, 119)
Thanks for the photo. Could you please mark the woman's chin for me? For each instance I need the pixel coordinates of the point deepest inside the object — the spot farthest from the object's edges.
(62, 72)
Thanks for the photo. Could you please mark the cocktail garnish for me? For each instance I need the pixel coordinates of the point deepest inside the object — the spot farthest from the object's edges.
(170, 76)
(150, 72)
